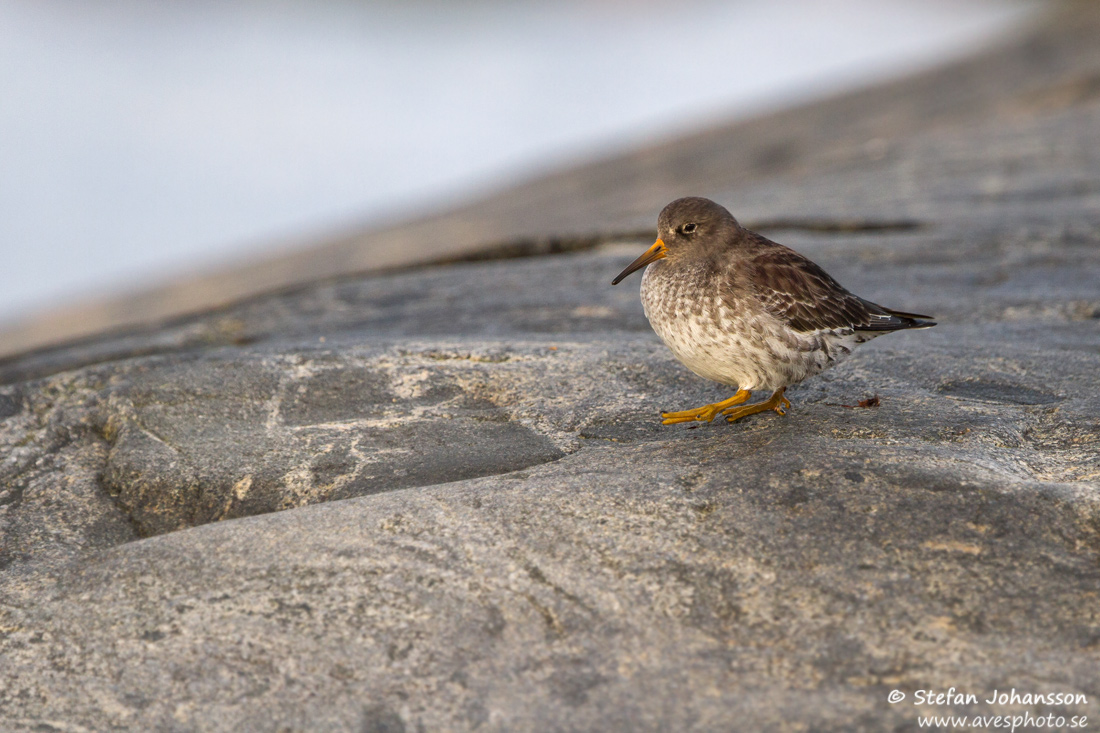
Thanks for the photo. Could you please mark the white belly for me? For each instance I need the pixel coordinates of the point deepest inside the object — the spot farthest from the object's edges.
(746, 350)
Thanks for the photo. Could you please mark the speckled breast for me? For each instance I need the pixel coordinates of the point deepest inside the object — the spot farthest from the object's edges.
(724, 339)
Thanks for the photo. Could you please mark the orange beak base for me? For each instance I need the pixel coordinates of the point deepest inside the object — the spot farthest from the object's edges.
(657, 252)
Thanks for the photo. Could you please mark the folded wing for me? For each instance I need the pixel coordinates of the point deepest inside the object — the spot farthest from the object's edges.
(799, 292)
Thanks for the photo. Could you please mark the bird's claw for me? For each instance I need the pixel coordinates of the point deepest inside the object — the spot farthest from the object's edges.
(701, 415)
(776, 402)
(706, 413)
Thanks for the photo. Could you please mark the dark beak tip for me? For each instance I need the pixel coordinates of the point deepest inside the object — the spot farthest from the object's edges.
(652, 254)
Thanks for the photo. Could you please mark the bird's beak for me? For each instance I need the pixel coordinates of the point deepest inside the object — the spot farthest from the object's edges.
(657, 252)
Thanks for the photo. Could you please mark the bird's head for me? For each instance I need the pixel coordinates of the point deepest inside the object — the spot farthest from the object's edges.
(687, 227)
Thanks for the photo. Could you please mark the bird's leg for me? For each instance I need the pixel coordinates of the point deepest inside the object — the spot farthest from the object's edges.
(706, 413)
(776, 402)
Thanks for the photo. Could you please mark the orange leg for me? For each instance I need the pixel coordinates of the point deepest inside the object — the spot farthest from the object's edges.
(776, 402)
(706, 413)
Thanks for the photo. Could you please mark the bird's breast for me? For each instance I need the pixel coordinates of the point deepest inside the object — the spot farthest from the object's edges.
(702, 325)
(728, 336)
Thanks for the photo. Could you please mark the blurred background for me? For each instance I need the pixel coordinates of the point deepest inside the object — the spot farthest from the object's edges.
(140, 140)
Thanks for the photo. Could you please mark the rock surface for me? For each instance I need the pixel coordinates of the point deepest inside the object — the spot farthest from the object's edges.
(488, 526)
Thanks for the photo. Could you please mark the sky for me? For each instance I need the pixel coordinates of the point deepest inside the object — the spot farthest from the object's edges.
(144, 139)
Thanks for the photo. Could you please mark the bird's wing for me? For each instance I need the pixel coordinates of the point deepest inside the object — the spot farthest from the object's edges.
(795, 290)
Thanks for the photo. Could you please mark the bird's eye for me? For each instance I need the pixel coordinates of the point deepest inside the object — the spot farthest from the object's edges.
(687, 229)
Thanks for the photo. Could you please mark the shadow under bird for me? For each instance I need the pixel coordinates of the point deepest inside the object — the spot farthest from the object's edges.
(741, 310)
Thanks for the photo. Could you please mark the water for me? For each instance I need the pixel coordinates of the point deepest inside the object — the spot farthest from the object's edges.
(142, 139)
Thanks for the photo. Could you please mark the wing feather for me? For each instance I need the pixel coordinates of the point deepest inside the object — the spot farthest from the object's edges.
(797, 291)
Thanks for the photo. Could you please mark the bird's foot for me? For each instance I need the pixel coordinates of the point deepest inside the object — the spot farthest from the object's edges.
(706, 413)
(776, 402)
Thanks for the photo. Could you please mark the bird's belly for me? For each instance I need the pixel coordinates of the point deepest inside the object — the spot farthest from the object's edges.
(741, 350)
(720, 355)
(708, 344)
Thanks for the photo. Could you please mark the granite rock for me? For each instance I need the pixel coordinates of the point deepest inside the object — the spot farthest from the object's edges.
(453, 505)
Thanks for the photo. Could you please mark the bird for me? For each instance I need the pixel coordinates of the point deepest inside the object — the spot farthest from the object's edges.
(741, 310)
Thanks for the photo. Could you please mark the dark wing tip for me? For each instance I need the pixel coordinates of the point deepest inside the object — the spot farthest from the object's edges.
(895, 324)
(913, 316)
(884, 319)
(912, 320)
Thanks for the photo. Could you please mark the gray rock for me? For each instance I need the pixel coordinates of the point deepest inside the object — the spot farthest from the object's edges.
(9, 406)
(240, 434)
(453, 506)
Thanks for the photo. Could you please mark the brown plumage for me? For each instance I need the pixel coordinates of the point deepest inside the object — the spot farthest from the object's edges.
(741, 310)
(808, 299)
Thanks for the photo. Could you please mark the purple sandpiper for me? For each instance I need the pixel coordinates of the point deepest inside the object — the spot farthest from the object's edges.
(741, 310)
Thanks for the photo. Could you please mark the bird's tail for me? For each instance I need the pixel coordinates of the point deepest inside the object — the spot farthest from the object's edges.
(883, 320)
(911, 320)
